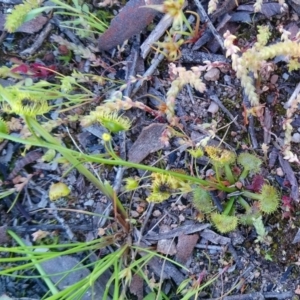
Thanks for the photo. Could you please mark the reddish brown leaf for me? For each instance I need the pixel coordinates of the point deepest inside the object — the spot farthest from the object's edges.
(132, 19)
(256, 184)
(35, 70)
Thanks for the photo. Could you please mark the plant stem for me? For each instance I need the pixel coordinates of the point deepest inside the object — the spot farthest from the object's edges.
(252, 195)
(228, 206)
(96, 159)
(244, 174)
(244, 203)
(229, 175)
(217, 173)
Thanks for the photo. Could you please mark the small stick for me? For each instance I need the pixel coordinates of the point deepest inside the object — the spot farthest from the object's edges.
(156, 62)
(38, 42)
(68, 230)
(210, 25)
(215, 99)
(251, 123)
(155, 34)
(67, 32)
(293, 96)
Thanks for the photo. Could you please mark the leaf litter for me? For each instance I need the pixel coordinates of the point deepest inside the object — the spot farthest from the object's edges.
(218, 254)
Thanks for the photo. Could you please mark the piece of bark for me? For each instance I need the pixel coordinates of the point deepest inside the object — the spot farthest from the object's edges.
(290, 175)
(297, 237)
(155, 35)
(166, 246)
(132, 19)
(268, 123)
(38, 42)
(147, 142)
(268, 9)
(4, 238)
(186, 229)
(189, 56)
(214, 237)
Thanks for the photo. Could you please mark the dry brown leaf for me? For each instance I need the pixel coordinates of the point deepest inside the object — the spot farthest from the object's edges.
(32, 26)
(15, 124)
(20, 182)
(148, 142)
(123, 27)
(185, 247)
(40, 234)
(136, 286)
(29, 158)
(166, 246)
(290, 176)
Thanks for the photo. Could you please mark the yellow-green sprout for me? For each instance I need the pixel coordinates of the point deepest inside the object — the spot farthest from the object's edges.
(223, 222)
(109, 119)
(131, 184)
(222, 158)
(202, 200)
(196, 153)
(19, 14)
(250, 163)
(268, 198)
(162, 187)
(49, 155)
(58, 190)
(24, 103)
(3, 128)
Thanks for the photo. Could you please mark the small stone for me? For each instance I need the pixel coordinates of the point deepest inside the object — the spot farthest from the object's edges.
(181, 218)
(256, 274)
(239, 185)
(209, 172)
(227, 79)
(212, 75)
(101, 231)
(296, 137)
(285, 76)
(274, 78)
(134, 214)
(89, 203)
(279, 172)
(156, 213)
(213, 108)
